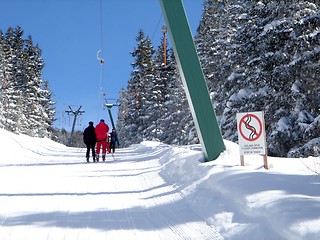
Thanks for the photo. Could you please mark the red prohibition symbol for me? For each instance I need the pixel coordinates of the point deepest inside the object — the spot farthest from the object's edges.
(249, 123)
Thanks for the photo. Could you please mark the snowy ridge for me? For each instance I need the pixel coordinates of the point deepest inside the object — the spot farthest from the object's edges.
(251, 201)
(153, 191)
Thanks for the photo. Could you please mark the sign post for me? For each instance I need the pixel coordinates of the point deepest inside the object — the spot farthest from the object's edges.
(252, 137)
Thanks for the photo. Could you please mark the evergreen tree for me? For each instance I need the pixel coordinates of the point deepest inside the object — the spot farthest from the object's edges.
(273, 53)
(177, 124)
(47, 109)
(219, 53)
(257, 56)
(13, 45)
(32, 91)
(26, 99)
(154, 106)
(2, 80)
(138, 96)
(123, 115)
(158, 89)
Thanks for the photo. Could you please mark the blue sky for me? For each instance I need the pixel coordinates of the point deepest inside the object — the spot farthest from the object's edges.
(70, 33)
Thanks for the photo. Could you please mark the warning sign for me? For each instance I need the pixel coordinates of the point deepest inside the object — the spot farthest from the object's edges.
(251, 132)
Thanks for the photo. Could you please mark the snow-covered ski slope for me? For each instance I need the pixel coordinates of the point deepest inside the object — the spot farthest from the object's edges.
(153, 191)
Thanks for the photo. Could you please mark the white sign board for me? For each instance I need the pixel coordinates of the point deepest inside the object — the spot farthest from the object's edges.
(251, 133)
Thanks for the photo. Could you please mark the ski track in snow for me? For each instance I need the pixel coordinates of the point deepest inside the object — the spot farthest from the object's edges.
(122, 198)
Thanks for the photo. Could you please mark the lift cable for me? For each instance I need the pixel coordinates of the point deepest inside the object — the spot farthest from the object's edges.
(101, 26)
(101, 59)
(157, 27)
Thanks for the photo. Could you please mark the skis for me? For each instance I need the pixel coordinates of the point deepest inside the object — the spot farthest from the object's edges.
(97, 161)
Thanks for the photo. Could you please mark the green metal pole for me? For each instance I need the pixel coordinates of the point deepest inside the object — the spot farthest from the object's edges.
(193, 79)
(111, 118)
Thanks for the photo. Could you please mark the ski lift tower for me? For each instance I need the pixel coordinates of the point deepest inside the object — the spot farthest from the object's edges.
(75, 115)
(193, 79)
(109, 106)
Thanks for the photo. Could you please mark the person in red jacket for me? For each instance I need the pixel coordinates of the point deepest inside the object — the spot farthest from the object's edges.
(102, 130)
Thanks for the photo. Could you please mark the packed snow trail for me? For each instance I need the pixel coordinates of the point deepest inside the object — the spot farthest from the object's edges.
(153, 191)
(57, 195)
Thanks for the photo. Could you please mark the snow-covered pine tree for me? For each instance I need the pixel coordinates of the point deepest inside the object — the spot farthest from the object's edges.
(273, 69)
(47, 109)
(123, 112)
(2, 80)
(157, 87)
(31, 87)
(206, 42)
(162, 106)
(177, 122)
(13, 114)
(302, 68)
(26, 99)
(274, 58)
(137, 93)
(220, 53)
(6, 83)
(39, 105)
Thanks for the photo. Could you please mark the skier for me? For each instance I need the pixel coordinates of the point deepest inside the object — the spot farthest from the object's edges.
(102, 130)
(113, 140)
(90, 139)
(108, 144)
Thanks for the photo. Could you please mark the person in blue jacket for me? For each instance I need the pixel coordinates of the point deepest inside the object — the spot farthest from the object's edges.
(113, 140)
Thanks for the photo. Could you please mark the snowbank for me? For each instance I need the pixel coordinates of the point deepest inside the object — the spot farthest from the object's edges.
(250, 202)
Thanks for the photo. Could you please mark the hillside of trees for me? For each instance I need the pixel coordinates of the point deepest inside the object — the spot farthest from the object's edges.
(26, 104)
(256, 56)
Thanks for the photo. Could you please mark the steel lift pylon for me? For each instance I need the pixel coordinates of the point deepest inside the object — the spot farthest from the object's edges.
(193, 79)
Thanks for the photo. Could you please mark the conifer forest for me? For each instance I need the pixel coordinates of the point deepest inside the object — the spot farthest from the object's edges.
(256, 56)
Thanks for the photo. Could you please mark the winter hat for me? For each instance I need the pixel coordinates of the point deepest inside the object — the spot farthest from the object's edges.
(101, 120)
(91, 123)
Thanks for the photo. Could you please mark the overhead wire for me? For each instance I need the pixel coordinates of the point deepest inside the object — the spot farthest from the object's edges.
(101, 60)
(101, 26)
(100, 52)
(156, 29)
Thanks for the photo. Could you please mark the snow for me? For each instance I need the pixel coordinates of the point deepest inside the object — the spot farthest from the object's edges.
(273, 25)
(242, 93)
(153, 191)
(283, 124)
(296, 87)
